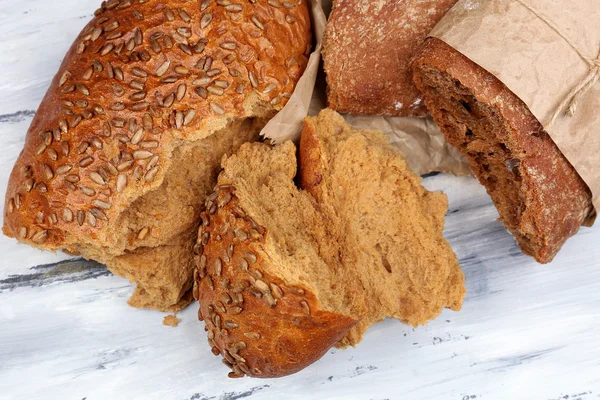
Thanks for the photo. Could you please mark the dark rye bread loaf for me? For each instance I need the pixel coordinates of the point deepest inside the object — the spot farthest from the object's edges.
(541, 199)
(367, 49)
(127, 142)
(285, 273)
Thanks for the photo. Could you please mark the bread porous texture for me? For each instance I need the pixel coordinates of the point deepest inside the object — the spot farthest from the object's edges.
(284, 273)
(127, 142)
(540, 197)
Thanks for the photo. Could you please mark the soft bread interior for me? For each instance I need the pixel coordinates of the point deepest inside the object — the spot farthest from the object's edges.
(366, 238)
(297, 232)
(155, 233)
(540, 197)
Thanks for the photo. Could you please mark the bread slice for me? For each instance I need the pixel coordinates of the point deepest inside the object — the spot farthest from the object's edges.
(367, 49)
(126, 144)
(541, 199)
(285, 273)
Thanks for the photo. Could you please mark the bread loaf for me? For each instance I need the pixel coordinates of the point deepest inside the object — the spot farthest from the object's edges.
(283, 273)
(541, 199)
(127, 142)
(367, 48)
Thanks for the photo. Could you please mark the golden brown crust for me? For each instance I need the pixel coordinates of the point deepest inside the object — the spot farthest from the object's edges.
(312, 168)
(259, 324)
(141, 77)
(147, 100)
(368, 46)
(540, 197)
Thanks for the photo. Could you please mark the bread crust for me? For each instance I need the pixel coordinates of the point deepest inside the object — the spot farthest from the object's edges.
(367, 48)
(261, 325)
(552, 199)
(142, 80)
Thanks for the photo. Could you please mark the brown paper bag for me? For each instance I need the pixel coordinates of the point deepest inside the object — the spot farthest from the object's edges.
(420, 140)
(538, 49)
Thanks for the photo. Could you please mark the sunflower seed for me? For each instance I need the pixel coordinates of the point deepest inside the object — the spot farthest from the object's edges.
(270, 299)
(40, 237)
(48, 173)
(296, 290)
(107, 48)
(277, 292)
(124, 165)
(253, 79)
(119, 74)
(200, 91)
(87, 74)
(213, 72)
(189, 117)
(41, 148)
(234, 310)
(257, 23)
(102, 204)
(143, 233)
(96, 177)
(305, 308)
(67, 214)
(72, 178)
(218, 91)
(218, 267)
(137, 36)
(163, 68)
(290, 19)
(260, 285)
(142, 154)
(40, 187)
(217, 108)
(202, 81)
(151, 174)
(137, 137)
(84, 162)
(88, 191)
(68, 89)
(252, 335)
(91, 219)
(140, 73)
(168, 101)
(52, 154)
(234, 8)
(63, 78)
(269, 88)
(63, 169)
(204, 5)
(112, 169)
(121, 182)
(205, 20)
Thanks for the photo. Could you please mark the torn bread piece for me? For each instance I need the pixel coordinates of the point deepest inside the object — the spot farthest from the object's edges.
(285, 273)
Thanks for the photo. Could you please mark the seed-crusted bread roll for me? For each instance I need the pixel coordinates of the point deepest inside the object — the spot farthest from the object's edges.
(284, 273)
(541, 199)
(128, 139)
(367, 49)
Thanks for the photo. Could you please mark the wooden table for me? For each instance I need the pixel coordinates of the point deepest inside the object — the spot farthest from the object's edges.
(526, 331)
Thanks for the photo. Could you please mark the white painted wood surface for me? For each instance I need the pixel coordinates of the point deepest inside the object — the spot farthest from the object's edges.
(526, 331)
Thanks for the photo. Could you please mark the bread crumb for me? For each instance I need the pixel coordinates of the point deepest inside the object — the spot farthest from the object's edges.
(171, 320)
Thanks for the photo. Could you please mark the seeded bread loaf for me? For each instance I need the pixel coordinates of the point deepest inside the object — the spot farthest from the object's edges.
(128, 139)
(541, 199)
(367, 48)
(284, 273)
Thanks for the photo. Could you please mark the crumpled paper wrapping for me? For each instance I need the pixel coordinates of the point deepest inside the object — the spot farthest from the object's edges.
(538, 65)
(419, 139)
